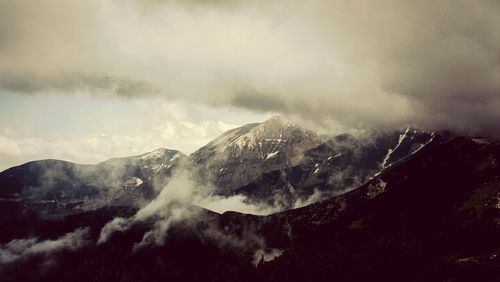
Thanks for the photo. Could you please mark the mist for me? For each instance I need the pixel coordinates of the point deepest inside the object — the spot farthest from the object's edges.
(176, 202)
(23, 248)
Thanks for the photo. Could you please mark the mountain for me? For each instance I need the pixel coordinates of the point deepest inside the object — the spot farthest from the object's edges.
(276, 163)
(334, 167)
(284, 165)
(431, 216)
(240, 155)
(55, 186)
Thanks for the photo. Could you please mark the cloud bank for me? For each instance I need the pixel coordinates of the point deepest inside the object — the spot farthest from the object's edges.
(390, 63)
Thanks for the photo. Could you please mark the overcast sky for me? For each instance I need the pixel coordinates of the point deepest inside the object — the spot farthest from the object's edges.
(88, 80)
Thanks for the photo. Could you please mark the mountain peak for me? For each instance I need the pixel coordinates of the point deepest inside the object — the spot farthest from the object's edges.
(159, 153)
(273, 130)
(276, 118)
(240, 154)
(278, 121)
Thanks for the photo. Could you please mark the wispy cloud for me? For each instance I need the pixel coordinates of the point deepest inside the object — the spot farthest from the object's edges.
(22, 248)
(174, 203)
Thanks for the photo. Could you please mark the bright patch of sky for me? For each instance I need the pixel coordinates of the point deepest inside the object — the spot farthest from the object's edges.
(89, 129)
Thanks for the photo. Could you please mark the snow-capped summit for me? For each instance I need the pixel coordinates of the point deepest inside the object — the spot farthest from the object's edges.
(261, 138)
(239, 155)
(158, 153)
(65, 187)
(149, 163)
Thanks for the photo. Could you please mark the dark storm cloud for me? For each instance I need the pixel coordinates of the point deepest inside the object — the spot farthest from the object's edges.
(448, 63)
(386, 63)
(258, 102)
(72, 82)
(441, 57)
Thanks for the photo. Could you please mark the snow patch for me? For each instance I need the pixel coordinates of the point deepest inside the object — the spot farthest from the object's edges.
(158, 153)
(433, 134)
(275, 139)
(270, 155)
(138, 181)
(133, 182)
(334, 156)
(482, 141)
(386, 158)
(389, 153)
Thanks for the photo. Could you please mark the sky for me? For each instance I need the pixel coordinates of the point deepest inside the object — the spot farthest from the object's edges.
(88, 80)
(87, 129)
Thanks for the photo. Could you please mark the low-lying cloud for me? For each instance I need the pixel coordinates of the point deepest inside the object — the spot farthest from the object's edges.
(22, 248)
(176, 202)
(390, 63)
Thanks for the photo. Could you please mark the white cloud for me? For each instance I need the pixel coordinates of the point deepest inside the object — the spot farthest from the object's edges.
(158, 124)
(174, 203)
(118, 224)
(237, 203)
(313, 198)
(20, 248)
(9, 146)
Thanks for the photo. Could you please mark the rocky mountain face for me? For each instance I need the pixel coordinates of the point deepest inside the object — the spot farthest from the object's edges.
(55, 187)
(283, 165)
(240, 155)
(431, 216)
(334, 167)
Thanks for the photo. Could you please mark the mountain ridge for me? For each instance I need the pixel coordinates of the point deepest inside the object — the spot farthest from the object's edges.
(276, 163)
(433, 217)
